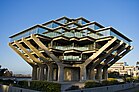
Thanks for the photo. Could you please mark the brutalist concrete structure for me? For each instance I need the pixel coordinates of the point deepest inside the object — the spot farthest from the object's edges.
(68, 49)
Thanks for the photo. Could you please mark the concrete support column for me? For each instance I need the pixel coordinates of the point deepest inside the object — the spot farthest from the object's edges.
(82, 73)
(34, 73)
(105, 73)
(99, 74)
(60, 73)
(92, 74)
(41, 76)
(38, 73)
(50, 73)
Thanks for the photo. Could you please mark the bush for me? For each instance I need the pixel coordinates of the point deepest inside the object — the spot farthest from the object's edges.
(135, 79)
(110, 81)
(91, 84)
(6, 82)
(40, 86)
(129, 79)
(22, 84)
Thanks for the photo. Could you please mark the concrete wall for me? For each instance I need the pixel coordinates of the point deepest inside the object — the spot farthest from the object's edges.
(112, 88)
(5, 88)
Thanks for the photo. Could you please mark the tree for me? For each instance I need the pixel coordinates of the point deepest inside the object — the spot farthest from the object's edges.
(2, 71)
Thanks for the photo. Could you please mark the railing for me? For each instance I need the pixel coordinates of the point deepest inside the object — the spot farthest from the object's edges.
(69, 48)
(76, 58)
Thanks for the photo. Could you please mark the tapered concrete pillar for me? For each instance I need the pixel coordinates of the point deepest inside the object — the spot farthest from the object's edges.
(50, 73)
(41, 75)
(38, 73)
(82, 73)
(105, 73)
(34, 73)
(99, 74)
(60, 73)
(92, 74)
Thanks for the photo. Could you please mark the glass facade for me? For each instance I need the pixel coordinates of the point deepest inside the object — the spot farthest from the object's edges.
(93, 26)
(37, 30)
(63, 21)
(52, 25)
(72, 26)
(79, 33)
(81, 22)
(109, 32)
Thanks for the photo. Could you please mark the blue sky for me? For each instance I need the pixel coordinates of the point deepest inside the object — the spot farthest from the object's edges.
(17, 15)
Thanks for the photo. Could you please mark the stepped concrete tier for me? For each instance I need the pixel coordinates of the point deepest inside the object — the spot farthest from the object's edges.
(68, 49)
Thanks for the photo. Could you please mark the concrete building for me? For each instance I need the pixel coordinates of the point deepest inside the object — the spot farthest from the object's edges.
(123, 69)
(68, 49)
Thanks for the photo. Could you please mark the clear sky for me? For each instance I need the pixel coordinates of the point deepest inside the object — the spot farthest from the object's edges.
(17, 15)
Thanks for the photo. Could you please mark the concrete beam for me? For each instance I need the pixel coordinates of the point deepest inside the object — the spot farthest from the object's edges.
(98, 61)
(22, 55)
(120, 56)
(46, 50)
(43, 47)
(95, 55)
(28, 53)
(37, 52)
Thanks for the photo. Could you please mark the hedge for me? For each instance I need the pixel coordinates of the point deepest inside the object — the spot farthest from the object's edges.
(34, 85)
(91, 84)
(40, 86)
(110, 81)
(6, 82)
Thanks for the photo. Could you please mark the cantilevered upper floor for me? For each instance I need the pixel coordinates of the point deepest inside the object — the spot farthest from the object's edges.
(70, 28)
(71, 39)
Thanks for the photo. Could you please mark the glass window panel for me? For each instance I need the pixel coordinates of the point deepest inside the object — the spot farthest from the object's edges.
(61, 30)
(41, 30)
(78, 34)
(93, 35)
(63, 21)
(93, 26)
(52, 25)
(72, 26)
(81, 22)
(52, 34)
(69, 34)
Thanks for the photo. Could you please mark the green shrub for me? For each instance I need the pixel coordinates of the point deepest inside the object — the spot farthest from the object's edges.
(129, 79)
(110, 81)
(45, 86)
(23, 84)
(91, 84)
(6, 82)
(40, 86)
